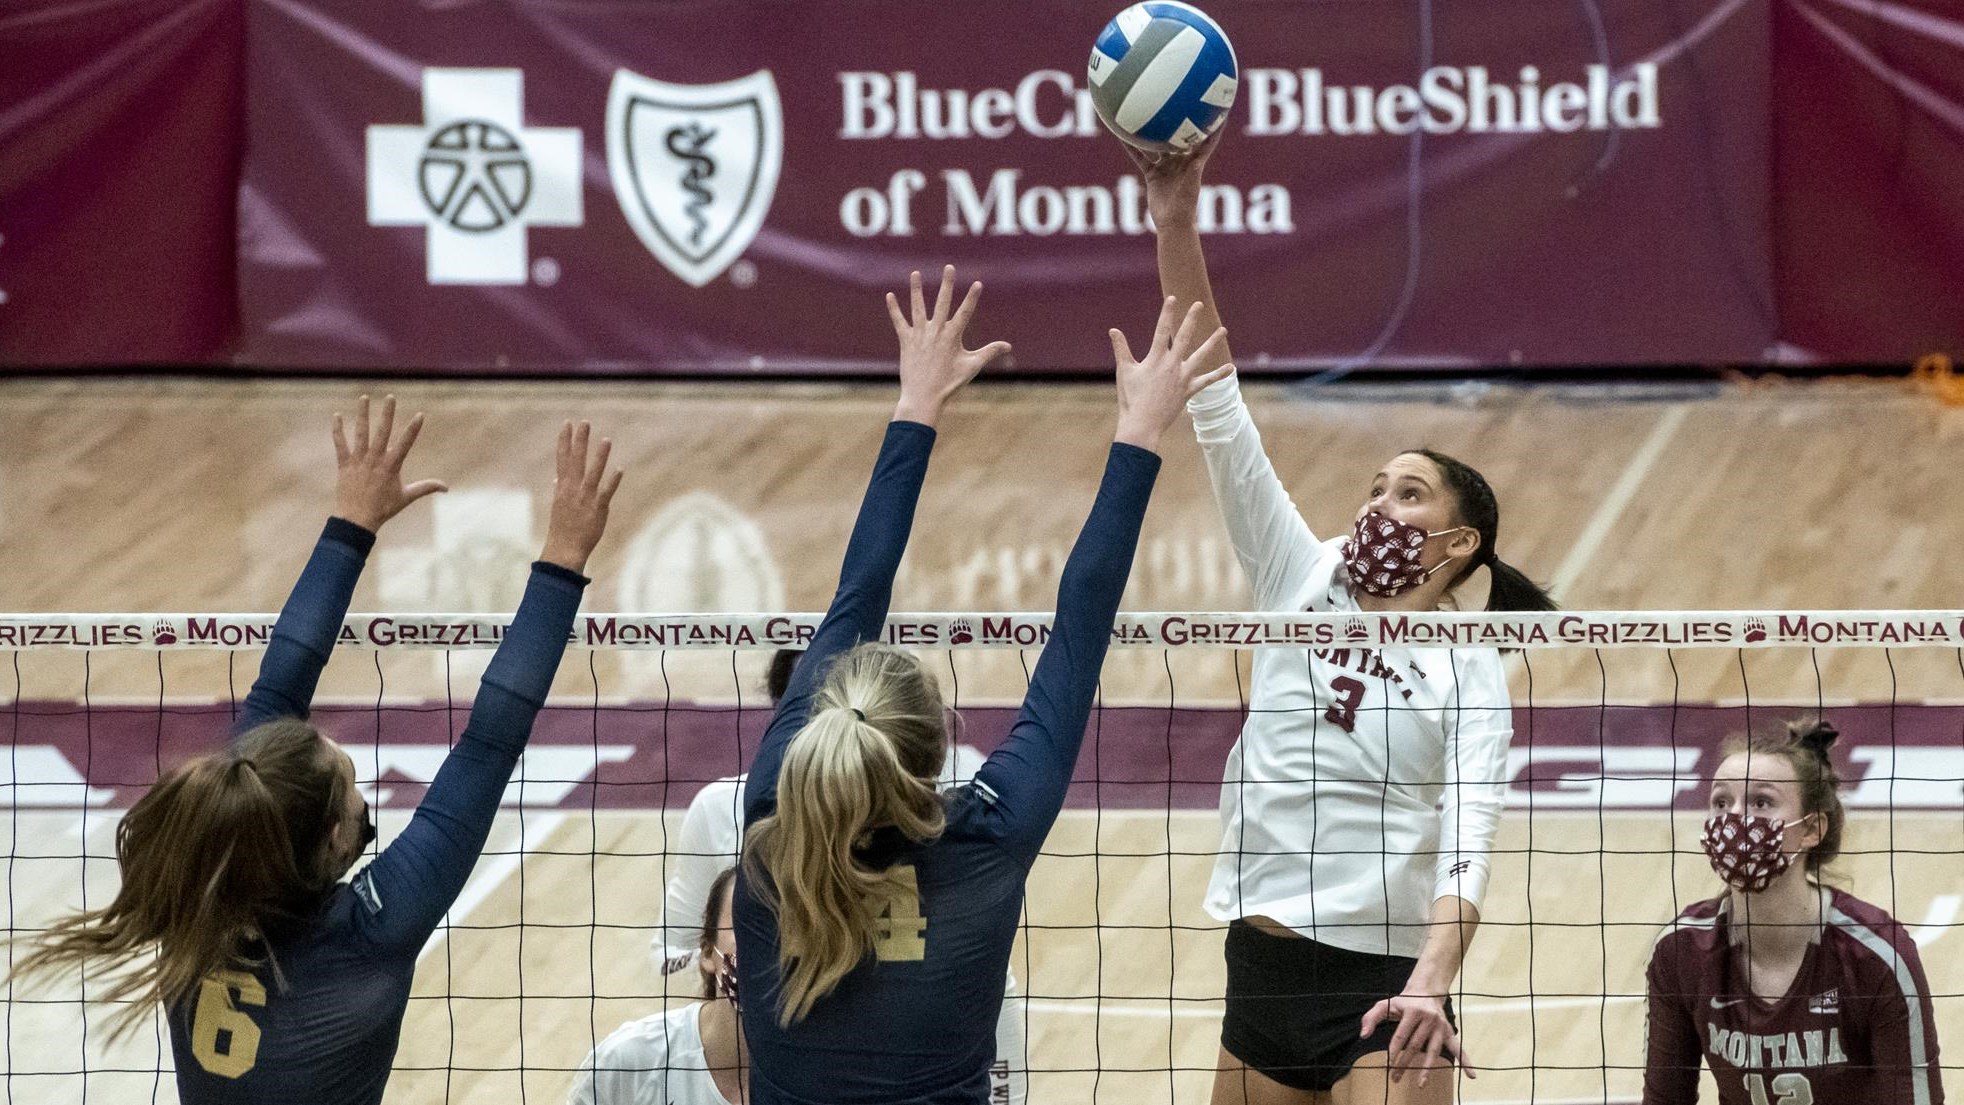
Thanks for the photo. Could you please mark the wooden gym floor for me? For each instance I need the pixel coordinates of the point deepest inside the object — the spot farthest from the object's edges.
(200, 496)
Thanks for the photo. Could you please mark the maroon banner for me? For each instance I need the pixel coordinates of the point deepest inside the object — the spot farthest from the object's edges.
(120, 131)
(649, 755)
(1868, 115)
(728, 186)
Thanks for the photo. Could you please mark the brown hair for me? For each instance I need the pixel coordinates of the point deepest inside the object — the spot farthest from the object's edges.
(867, 758)
(219, 852)
(1806, 748)
(777, 677)
(712, 916)
(1510, 588)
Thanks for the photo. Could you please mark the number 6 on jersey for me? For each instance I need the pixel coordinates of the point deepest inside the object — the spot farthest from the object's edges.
(217, 1014)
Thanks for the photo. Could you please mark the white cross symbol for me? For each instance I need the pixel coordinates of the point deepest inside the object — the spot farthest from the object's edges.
(474, 176)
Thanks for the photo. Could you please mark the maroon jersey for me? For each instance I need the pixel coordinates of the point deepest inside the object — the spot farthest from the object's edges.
(1854, 1027)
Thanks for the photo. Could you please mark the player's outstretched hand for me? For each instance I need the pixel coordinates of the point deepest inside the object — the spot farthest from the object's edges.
(933, 364)
(1173, 180)
(581, 494)
(1424, 1040)
(368, 487)
(1152, 392)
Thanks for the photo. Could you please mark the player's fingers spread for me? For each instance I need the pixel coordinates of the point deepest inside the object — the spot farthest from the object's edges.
(990, 352)
(607, 492)
(1207, 350)
(409, 435)
(564, 449)
(914, 293)
(576, 456)
(361, 425)
(967, 310)
(946, 296)
(900, 326)
(340, 441)
(388, 427)
(1121, 352)
(599, 466)
(1163, 329)
(1183, 337)
(421, 488)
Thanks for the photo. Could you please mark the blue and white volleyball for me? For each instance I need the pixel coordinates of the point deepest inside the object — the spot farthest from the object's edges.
(1163, 75)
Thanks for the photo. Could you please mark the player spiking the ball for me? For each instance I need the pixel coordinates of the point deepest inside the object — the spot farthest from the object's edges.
(1360, 804)
(875, 914)
(281, 983)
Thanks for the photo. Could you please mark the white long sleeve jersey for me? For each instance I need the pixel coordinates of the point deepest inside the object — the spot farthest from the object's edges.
(657, 1060)
(1367, 783)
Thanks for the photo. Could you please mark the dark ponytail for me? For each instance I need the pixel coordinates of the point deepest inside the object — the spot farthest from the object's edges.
(216, 854)
(1510, 588)
(777, 678)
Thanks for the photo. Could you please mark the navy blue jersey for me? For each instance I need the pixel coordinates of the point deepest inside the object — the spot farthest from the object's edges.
(318, 1024)
(916, 1021)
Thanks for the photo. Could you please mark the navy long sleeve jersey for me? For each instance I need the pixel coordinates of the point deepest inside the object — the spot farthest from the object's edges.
(916, 1021)
(323, 1029)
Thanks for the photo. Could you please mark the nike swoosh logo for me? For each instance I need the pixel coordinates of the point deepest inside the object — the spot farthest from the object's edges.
(1717, 1004)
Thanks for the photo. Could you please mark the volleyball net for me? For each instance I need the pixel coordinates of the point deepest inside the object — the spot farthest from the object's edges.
(1118, 970)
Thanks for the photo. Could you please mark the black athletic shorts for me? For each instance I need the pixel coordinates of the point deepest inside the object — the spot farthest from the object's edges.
(1294, 1006)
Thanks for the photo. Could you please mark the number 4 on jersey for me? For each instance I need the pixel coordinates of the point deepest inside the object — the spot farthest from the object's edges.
(217, 1014)
(900, 935)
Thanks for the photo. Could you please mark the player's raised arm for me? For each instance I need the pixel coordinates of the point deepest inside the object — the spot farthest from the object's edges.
(1026, 779)
(406, 891)
(934, 365)
(368, 491)
(1270, 538)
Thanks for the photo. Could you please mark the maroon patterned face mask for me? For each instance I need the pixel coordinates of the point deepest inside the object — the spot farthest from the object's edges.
(726, 980)
(1382, 555)
(1746, 851)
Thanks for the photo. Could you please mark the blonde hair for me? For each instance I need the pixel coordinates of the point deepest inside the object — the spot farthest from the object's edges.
(217, 855)
(867, 758)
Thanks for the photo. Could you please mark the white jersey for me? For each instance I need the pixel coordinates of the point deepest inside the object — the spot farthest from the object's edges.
(1367, 783)
(657, 1060)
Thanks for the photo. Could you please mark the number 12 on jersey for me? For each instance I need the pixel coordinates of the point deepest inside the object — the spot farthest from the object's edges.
(1788, 1089)
(900, 934)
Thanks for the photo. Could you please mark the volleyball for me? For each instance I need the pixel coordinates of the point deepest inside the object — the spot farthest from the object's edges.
(1163, 75)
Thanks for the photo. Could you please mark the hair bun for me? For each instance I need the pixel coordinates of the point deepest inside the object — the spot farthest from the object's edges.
(1815, 736)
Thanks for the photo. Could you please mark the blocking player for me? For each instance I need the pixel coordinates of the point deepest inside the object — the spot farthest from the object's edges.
(1360, 804)
(874, 914)
(280, 982)
(711, 840)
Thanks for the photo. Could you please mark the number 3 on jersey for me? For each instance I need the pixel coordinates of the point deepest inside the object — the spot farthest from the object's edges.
(217, 1014)
(900, 934)
(1350, 695)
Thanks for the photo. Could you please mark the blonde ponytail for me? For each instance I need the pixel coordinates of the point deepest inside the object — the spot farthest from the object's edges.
(867, 758)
